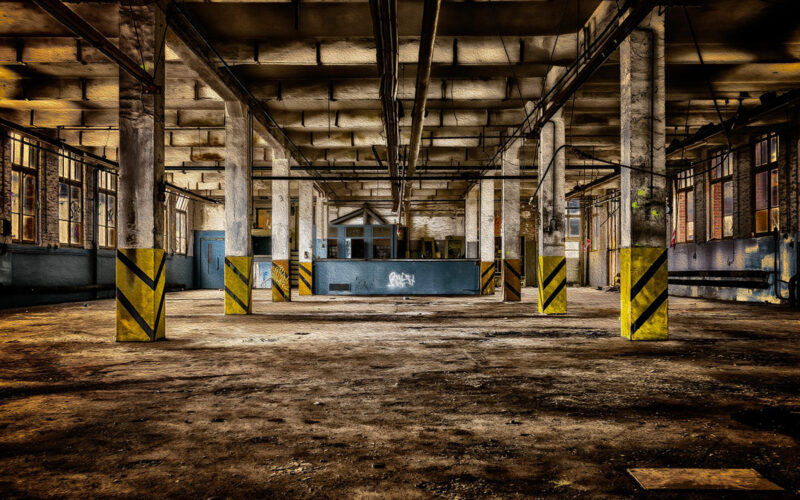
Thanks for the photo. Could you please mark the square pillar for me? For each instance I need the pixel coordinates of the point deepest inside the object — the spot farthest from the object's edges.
(487, 236)
(511, 251)
(471, 223)
(305, 238)
(643, 192)
(238, 208)
(552, 272)
(140, 273)
(281, 287)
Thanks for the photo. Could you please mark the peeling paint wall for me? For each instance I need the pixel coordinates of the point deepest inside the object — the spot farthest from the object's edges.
(737, 255)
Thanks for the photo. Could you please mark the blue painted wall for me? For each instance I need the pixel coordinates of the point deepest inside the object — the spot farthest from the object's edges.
(396, 277)
(751, 254)
(44, 269)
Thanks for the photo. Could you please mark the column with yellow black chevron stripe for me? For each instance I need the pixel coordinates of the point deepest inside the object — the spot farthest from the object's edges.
(511, 248)
(281, 287)
(552, 266)
(140, 266)
(643, 188)
(238, 206)
(487, 236)
(305, 238)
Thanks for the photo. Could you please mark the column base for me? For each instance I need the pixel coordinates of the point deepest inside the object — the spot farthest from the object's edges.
(643, 293)
(238, 285)
(305, 278)
(512, 278)
(487, 278)
(281, 287)
(552, 277)
(141, 288)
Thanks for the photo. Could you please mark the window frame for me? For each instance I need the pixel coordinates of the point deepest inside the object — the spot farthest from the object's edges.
(181, 225)
(104, 180)
(683, 185)
(19, 146)
(572, 210)
(770, 167)
(721, 173)
(68, 164)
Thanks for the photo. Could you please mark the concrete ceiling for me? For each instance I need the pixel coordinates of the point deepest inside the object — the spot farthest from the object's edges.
(320, 81)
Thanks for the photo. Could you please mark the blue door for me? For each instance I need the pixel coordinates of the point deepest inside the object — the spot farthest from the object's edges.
(210, 250)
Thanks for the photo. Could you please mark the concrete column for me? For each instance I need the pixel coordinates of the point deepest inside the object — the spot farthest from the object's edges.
(140, 255)
(511, 251)
(305, 240)
(643, 252)
(552, 272)
(281, 288)
(238, 208)
(319, 220)
(487, 235)
(471, 228)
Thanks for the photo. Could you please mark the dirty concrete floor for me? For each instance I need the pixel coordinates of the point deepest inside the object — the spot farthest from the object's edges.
(430, 397)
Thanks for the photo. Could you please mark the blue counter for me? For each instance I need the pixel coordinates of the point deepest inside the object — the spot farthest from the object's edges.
(396, 277)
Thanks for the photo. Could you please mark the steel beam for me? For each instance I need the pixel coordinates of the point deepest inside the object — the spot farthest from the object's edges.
(87, 32)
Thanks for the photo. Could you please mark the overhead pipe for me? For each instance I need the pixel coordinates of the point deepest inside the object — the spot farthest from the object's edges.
(384, 26)
(89, 33)
(581, 70)
(430, 20)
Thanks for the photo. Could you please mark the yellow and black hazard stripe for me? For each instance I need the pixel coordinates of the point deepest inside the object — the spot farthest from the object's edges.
(238, 285)
(512, 278)
(487, 278)
(552, 277)
(305, 278)
(644, 290)
(141, 289)
(281, 289)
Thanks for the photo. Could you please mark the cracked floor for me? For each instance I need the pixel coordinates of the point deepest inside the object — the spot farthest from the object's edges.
(386, 397)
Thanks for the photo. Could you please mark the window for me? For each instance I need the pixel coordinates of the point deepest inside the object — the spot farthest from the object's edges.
(106, 209)
(684, 204)
(766, 183)
(612, 237)
(70, 200)
(181, 238)
(333, 242)
(24, 170)
(721, 196)
(573, 219)
(382, 242)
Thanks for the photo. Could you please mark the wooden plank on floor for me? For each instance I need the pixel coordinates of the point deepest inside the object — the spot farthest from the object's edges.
(702, 479)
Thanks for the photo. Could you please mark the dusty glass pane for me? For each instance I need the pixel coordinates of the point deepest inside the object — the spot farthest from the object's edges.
(28, 228)
(29, 196)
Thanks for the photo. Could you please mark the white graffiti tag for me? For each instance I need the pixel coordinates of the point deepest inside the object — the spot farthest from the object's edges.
(400, 280)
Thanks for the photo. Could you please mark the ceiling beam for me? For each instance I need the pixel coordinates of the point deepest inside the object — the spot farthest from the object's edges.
(87, 32)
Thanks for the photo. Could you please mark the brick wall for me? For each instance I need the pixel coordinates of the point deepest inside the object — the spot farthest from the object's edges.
(743, 189)
(5, 180)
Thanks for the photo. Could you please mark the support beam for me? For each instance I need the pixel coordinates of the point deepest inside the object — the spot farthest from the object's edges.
(79, 26)
(471, 227)
(281, 288)
(511, 251)
(487, 236)
(552, 272)
(238, 208)
(319, 222)
(305, 238)
(643, 192)
(141, 274)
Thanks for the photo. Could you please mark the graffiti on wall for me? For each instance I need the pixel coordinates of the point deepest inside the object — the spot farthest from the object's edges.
(400, 280)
